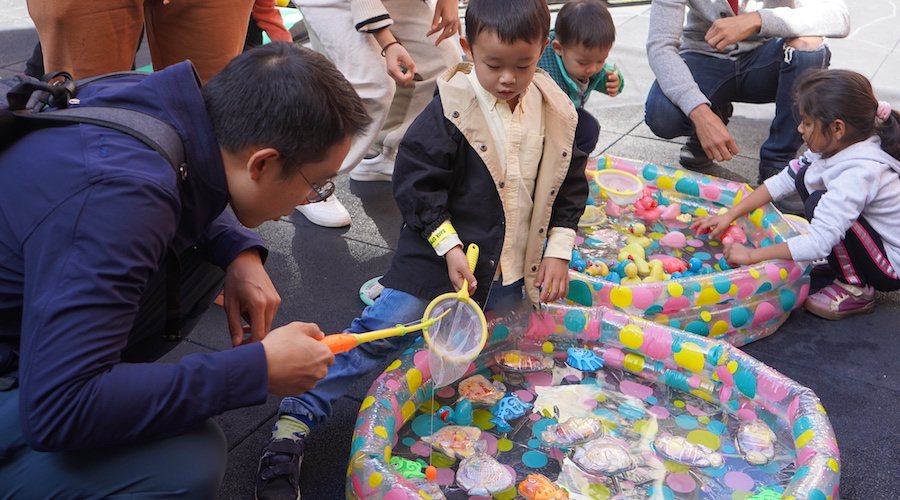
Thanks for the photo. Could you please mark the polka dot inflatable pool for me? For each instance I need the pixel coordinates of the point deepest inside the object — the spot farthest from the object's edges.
(692, 287)
(590, 403)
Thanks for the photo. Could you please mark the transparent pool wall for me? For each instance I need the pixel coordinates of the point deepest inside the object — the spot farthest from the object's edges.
(737, 305)
(708, 368)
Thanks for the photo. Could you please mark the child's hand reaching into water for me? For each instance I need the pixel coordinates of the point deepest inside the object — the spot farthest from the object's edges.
(737, 254)
(715, 225)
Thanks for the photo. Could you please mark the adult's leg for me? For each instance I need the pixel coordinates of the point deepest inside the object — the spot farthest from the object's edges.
(210, 34)
(768, 75)
(716, 79)
(412, 20)
(88, 38)
(189, 466)
(201, 281)
(358, 57)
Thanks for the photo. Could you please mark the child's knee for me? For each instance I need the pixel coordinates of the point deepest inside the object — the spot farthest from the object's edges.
(808, 43)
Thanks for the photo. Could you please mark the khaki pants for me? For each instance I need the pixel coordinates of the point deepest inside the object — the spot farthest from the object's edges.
(88, 37)
(358, 56)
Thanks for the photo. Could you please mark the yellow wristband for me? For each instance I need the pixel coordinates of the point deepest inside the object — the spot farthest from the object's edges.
(444, 230)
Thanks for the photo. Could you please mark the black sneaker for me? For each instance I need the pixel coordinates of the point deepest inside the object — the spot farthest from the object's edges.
(693, 157)
(278, 477)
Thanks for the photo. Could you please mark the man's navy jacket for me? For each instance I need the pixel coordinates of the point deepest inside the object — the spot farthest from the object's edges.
(86, 214)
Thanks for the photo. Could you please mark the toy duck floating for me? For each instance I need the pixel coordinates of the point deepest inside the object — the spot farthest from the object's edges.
(646, 207)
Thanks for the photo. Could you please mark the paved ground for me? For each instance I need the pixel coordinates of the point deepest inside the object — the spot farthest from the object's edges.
(853, 365)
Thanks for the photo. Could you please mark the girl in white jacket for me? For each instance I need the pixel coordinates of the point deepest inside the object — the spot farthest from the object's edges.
(850, 183)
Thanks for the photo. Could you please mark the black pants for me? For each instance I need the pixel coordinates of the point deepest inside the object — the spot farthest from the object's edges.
(859, 258)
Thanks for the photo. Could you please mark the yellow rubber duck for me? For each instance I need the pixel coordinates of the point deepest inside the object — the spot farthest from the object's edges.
(637, 231)
(657, 273)
(631, 274)
(636, 253)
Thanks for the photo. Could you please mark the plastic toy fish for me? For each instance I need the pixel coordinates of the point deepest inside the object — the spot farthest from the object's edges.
(462, 415)
(681, 451)
(482, 475)
(508, 408)
(756, 441)
(408, 468)
(603, 455)
(454, 440)
(538, 487)
(573, 431)
(583, 359)
(479, 390)
(522, 362)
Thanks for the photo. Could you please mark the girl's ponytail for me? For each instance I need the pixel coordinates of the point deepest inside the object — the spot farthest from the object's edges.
(889, 131)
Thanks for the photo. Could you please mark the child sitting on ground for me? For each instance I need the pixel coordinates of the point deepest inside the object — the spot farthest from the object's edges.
(576, 60)
(491, 161)
(849, 183)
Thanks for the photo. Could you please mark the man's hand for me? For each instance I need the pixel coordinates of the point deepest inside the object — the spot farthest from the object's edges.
(295, 358)
(446, 20)
(612, 83)
(553, 279)
(249, 295)
(458, 269)
(729, 30)
(713, 134)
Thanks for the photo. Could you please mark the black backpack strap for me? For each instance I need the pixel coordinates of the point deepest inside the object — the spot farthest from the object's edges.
(162, 138)
(152, 131)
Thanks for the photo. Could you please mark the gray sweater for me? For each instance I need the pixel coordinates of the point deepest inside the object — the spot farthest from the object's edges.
(671, 34)
(862, 180)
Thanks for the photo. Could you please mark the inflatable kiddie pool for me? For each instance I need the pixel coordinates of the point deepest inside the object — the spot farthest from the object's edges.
(657, 382)
(737, 305)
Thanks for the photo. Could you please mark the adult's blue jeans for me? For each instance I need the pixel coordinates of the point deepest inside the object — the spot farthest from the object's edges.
(391, 308)
(189, 466)
(764, 75)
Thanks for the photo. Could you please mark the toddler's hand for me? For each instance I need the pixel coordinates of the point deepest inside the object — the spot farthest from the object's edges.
(612, 82)
(714, 225)
(458, 269)
(738, 255)
(553, 279)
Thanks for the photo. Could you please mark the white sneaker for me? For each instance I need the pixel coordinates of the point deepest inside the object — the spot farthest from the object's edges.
(328, 213)
(379, 168)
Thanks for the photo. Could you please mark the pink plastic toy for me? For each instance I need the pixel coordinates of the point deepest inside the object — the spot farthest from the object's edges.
(646, 206)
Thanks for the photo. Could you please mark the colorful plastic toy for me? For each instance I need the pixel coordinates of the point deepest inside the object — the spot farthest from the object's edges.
(509, 408)
(583, 359)
(539, 487)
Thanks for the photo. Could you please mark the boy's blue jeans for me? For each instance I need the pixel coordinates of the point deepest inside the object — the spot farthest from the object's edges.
(764, 75)
(391, 308)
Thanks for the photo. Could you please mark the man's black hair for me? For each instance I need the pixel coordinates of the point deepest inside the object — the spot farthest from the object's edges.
(286, 97)
(511, 20)
(587, 23)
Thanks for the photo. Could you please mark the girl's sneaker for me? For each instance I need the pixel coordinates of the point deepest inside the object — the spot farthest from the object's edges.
(840, 300)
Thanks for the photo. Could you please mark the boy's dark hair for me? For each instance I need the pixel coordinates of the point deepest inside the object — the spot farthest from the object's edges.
(828, 95)
(511, 20)
(585, 22)
(286, 97)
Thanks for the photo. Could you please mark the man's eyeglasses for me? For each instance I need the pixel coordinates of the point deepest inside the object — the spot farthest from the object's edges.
(318, 192)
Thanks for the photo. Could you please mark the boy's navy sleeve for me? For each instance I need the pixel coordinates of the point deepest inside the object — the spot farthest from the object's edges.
(423, 170)
(87, 263)
(569, 204)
